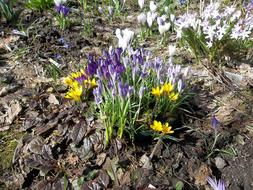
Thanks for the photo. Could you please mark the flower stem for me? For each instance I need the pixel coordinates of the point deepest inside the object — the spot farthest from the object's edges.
(159, 142)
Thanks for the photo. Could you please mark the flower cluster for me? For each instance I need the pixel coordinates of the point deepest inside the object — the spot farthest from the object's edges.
(124, 38)
(124, 82)
(122, 91)
(77, 81)
(217, 22)
(163, 128)
(163, 21)
(166, 90)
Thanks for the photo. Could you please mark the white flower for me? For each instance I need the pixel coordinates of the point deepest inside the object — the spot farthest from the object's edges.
(172, 50)
(172, 17)
(235, 16)
(142, 18)
(100, 9)
(166, 9)
(59, 2)
(150, 18)
(180, 85)
(209, 44)
(161, 20)
(152, 6)
(124, 37)
(141, 3)
(235, 34)
(186, 71)
(164, 28)
(179, 33)
(221, 31)
(229, 10)
(244, 34)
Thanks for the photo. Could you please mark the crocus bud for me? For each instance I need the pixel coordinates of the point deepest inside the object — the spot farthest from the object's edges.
(150, 18)
(100, 10)
(179, 85)
(110, 10)
(142, 18)
(59, 2)
(166, 9)
(152, 6)
(141, 91)
(172, 50)
(186, 71)
(172, 17)
(214, 122)
(141, 3)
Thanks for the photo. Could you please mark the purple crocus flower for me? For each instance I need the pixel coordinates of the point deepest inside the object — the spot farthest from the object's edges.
(120, 69)
(118, 52)
(216, 185)
(61, 9)
(98, 95)
(57, 56)
(124, 89)
(97, 92)
(92, 66)
(182, 2)
(214, 122)
(64, 43)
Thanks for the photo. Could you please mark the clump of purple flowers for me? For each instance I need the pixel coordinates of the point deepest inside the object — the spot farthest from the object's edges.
(124, 83)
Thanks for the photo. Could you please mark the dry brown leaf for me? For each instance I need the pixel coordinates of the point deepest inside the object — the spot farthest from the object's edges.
(201, 174)
(72, 159)
(13, 110)
(53, 100)
(100, 159)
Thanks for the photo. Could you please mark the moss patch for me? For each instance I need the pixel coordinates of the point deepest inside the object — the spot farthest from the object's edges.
(8, 143)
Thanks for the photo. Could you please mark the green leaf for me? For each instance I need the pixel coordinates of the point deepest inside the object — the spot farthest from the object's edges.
(179, 185)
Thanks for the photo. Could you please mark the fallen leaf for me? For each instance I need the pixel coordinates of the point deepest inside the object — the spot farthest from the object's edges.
(100, 159)
(53, 100)
(110, 166)
(201, 174)
(78, 131)
(9, 89)
(72, 159)
(12, 111)
(145, 162)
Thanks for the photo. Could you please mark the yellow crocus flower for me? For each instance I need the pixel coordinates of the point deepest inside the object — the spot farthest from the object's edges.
(68, 81)
(91, 83)
(77, 74)
(157, 91)
(167, 88)
(75, 92)
(173, 96)
(167, 129)
(157, 126)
